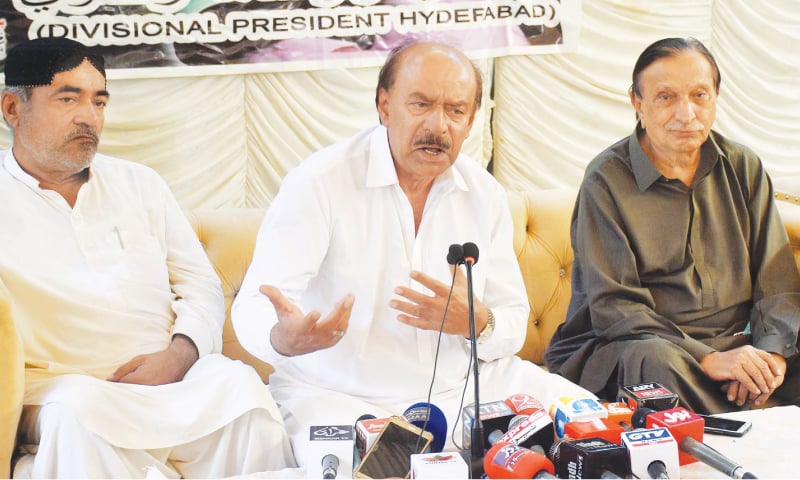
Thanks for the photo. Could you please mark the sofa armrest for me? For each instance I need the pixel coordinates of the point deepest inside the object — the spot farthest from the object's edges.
(228, 236)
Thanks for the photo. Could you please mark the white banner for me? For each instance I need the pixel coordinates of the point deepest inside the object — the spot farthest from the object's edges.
(179, 37)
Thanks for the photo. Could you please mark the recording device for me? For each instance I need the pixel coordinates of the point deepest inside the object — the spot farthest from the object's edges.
(575, 409)
(589, 458)
(330, 450)
(687, 428)
(725, 426)
(431, 418)
(653, 453)
(507, 460)
(648, 395)
(390, 455)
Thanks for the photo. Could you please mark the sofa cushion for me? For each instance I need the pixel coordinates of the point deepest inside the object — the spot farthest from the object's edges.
(544, 251)
(228, 236)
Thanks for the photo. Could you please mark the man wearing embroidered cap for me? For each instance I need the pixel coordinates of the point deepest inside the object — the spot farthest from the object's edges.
(119, 310)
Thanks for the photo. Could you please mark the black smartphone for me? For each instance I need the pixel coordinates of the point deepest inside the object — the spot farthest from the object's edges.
(725, 426)
(391, 453)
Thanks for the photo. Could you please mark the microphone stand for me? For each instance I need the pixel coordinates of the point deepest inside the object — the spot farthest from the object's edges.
(476, 432)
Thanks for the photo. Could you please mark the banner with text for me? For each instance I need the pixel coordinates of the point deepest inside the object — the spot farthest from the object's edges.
(180, 37)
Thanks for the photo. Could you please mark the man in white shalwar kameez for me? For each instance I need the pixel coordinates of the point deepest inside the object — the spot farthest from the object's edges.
(119, 310)
(347, 289)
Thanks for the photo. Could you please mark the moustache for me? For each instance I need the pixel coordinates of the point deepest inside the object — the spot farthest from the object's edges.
(694, 127)
(432, 139)
(84, 132)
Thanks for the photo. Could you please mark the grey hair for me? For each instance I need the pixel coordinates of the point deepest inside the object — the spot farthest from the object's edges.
(24, 94)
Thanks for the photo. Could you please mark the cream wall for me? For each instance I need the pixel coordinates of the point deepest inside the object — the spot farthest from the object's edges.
(227, 140)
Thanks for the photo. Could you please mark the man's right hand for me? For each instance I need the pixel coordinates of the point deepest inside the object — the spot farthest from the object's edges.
(297, 333)
(749, 373)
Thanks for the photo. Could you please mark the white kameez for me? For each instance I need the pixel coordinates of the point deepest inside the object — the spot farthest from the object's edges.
(114, 277)
(341, 223)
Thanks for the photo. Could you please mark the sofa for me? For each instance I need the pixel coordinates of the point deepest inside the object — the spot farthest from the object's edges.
(541, 241)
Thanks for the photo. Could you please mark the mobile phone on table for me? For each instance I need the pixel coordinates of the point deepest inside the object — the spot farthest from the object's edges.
(725, 426)
(390, 455)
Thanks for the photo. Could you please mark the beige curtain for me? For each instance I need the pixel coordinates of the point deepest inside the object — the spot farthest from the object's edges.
(227, 140)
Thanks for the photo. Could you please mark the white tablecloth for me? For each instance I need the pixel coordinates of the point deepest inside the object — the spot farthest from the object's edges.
(768, 450)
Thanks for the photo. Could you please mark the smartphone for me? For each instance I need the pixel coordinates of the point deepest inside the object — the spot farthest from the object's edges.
(390, 455)
(725, 426)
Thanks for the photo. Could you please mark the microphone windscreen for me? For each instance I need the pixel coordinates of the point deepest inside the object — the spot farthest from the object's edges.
(506, 460)
(471, 251)
(639, 417)
(430, 418)
(456, 254)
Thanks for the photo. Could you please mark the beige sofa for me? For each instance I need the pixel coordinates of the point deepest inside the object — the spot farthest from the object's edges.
(541, 241)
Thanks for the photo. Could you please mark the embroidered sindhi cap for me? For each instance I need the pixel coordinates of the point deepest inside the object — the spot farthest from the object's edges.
(34, 63)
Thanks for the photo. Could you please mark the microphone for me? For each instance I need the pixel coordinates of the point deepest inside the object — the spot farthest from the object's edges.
(506, 460)
(360, 445)
(618, 413)
(652, 452)
(330, 447)
(648, 395)
(596, 427)
(523, 404)
(495, 416)
(330, 463)
(530, 431)
(455, 256)
(477, 440)
(687, 428)
(470, 253)
(589, 458)
(429, 417)
(574, 409)
(439, 465)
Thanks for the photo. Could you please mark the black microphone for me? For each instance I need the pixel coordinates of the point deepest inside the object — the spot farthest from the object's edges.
(455, 256)
(330, 463)
(470, 253)
(589, 458)
(477, 443)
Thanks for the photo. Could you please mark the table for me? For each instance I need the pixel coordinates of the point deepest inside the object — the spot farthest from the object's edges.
(768, 450)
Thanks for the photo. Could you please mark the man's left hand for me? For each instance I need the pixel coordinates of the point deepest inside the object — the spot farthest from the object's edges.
(160, 368)
(426, 311)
